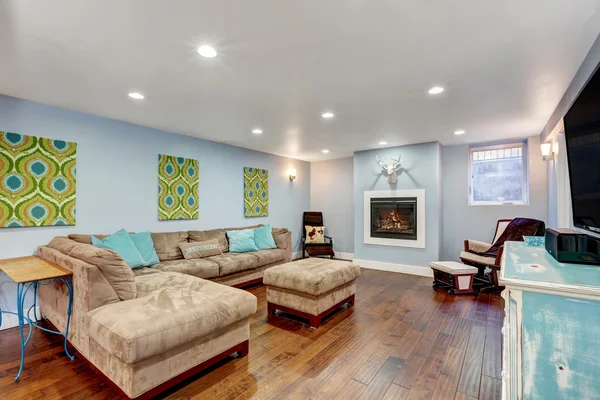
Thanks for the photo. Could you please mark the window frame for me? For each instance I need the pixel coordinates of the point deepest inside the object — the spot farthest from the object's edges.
(489, 147)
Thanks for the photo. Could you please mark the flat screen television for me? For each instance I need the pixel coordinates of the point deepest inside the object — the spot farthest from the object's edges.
(582, 134)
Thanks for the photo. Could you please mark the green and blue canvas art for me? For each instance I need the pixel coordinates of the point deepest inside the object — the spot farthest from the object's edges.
(37, 181)
(256, 192)
(177, 188)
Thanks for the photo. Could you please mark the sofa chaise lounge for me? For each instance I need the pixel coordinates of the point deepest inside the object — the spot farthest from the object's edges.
(150, 328)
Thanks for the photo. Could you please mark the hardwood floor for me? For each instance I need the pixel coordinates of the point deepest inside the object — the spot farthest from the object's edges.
(402, 340)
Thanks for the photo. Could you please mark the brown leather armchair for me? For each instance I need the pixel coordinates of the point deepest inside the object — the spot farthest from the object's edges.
(315, 218)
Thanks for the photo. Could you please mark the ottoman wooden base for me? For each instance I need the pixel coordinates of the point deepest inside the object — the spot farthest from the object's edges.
(454, 276)
(314, 320)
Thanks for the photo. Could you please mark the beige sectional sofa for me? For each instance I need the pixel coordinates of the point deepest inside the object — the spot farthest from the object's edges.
(149, 328)
(233, 269)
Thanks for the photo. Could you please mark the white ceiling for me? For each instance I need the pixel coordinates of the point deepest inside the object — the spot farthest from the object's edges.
(504, 64)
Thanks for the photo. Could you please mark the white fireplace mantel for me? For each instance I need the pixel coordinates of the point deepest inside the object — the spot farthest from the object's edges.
(419, 194)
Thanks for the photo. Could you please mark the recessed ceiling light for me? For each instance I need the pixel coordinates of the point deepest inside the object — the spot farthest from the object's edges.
(436, 90)
(207, 51)
(382, 143)
(324, 151)
(136, 95)
(327, 114)
(257, 131)
(459, 132)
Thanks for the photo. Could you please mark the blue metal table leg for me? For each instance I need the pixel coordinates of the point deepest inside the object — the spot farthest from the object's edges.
(67, 282)
(22, 289)
(20, 298)
(35, 291)
(26, 317)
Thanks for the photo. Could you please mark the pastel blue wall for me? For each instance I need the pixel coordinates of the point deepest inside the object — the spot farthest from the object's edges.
(422, 170)
(463, 221)
(332, 193)
(117, 179)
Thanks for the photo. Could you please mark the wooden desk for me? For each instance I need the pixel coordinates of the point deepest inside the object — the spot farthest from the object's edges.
(29, 272)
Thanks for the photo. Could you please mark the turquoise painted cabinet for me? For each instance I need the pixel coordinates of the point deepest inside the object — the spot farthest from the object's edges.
(551, 347)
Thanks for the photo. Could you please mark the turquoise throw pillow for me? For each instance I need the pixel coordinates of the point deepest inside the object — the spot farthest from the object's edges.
(122, 244)
(241, 241)
(143, 242)
(263, 237)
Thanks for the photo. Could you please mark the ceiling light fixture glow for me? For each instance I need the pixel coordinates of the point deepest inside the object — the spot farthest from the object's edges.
(382, 143)
(436, 90)
(207, 51)
(136, 95)
(459, 132)
(257, 131)
(327, 115)
(324, 151)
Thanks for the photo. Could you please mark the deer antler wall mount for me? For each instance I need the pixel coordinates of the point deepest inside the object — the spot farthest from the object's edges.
(390, 170)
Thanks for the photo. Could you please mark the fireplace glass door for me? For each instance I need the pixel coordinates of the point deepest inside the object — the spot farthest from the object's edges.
(394, 218)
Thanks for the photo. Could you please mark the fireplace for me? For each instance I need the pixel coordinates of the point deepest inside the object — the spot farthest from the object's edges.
(394, 218)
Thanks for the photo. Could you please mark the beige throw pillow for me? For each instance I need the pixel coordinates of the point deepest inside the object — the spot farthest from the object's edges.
(205, 248)
(315, 234)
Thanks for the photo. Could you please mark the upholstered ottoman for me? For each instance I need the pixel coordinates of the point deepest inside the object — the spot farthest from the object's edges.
(311, 288)
(454, 276)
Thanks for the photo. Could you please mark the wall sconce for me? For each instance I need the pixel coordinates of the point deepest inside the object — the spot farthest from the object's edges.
(292, 173)
(547, 152)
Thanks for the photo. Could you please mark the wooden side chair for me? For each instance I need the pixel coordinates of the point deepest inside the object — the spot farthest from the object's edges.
(325, 249)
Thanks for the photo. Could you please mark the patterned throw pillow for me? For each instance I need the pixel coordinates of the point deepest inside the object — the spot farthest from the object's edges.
(315, 234)
(205, 248)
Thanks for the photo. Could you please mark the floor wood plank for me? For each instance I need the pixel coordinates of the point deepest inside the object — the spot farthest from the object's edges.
(396, 392)
(382, 381)
(462, 396)
(470, 377)
(447, 382)
(491, 388)
(492, 355)
(411, 367)
(351, 391)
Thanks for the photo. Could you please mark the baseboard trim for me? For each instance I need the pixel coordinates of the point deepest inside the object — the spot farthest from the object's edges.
(344, 256)
(11, 321)
(399, 268)
(338, 254)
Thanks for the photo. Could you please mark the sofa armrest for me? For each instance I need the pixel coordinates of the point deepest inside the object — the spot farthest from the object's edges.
(330, 239)
(475, 245)
(284, 242)
(90, 290)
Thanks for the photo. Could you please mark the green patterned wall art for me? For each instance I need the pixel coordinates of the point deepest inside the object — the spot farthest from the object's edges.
(177, 188)
(37, 181)
(256, 192)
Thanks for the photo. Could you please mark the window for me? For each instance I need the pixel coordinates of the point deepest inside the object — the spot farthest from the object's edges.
(498, 174)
